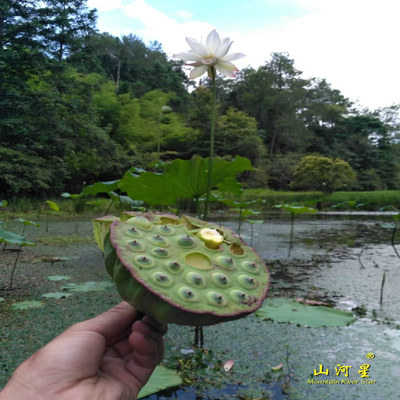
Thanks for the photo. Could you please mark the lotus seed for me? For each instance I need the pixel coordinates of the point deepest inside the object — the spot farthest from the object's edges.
(136, 246)
(251, 266)
(133, 232)
(220, 279)
(174, 266)
(225, 262)
(159, 240)
(211, 237)
(247, 281)
(160, 252)
(216, 298)
(238, 296)
(187, 294)
(144, 261)
(195, 279)
(166, 230)
(161, 279)
(141, 222)
(186, 241)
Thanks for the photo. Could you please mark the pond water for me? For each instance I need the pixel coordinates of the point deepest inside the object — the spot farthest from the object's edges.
(341, 261)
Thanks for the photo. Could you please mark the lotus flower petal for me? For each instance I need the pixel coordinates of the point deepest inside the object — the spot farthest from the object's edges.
(234, 56)
(189, 56)
(198, 47)
(228, 365)
(213, 41)
(198, 71)
(226, 72)
(227, 65)
(211, 56)
(223, 48)
(209, 61)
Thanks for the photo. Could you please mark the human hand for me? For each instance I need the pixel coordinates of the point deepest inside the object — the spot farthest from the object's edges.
(104, 358)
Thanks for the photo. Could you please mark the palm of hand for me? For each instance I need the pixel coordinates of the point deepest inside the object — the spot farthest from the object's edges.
(103, 358)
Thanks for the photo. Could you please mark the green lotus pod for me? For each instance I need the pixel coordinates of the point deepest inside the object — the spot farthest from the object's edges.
(184, 270)
(101, 227)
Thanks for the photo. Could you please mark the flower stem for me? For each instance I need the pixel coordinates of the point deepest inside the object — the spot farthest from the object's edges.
(212, 134)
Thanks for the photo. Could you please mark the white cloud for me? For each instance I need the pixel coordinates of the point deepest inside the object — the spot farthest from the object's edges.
(353, 44)
(184, 14)
(104, 5)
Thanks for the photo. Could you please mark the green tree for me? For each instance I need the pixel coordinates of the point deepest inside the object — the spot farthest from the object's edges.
(236, 134)
(64, 25)
(322, 173)
(274, 95)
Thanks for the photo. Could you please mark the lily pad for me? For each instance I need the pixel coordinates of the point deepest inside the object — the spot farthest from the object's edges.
(26, 305)
(296, 209)
(13, 238)
(161, 379)
(28, 222)
(56, 278)
(53, 206)
(56, 295)
(90, 286)
(289, 310)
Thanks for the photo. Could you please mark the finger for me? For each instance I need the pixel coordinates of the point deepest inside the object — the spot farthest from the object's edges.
(147, 343)
(113, 324)
(147, 348)
(123, 347)
(155, 324)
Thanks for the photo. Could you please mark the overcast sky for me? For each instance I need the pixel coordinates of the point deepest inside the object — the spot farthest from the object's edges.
(353, 44)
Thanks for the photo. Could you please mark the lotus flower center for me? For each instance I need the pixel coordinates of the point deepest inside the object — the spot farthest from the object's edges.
(211, 237)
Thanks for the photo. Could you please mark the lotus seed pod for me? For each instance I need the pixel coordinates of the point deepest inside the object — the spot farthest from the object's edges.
(184, 270)
(101, 227)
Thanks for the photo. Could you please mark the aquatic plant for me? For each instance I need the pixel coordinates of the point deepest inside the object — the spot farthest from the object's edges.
(293, 210)
(184, 270)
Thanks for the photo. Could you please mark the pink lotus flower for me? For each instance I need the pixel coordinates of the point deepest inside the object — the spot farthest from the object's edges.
(211, 56)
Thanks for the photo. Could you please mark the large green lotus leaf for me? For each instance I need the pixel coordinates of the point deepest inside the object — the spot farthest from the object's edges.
(100, 187)
(230, 185)
(181, 179)
(161, 379)
(13, 238)
(288, 310)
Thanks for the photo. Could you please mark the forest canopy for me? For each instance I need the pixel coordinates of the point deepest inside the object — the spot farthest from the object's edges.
(79, 106)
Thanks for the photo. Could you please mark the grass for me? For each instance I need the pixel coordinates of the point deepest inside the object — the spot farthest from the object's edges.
(370, 201)
(34, 208)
